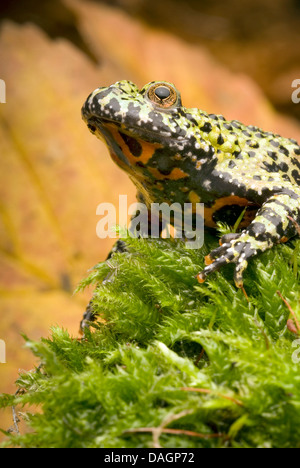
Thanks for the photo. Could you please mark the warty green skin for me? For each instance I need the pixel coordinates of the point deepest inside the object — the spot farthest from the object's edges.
(204, 158)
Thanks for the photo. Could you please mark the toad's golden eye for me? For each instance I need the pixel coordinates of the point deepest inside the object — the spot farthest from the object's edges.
(162, 94)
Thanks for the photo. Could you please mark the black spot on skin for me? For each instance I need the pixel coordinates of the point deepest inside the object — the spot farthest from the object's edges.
(220, 140)
(271, 167)
(286, 177)
(92, 128)
(297, 151)
(221, 117)
(247, 134)
(133, 145)
(227, 126)
(295, 162)
(296, 176)
(259, 135)
(231, 164)
(257, 177)
(193, 120)
(274, 143)
(283, 167)
(252, 154)
(213, 116)
(273, 155)
(284, 150)
(181, 112)
(115, 105)
(207, 127)
(236, 124)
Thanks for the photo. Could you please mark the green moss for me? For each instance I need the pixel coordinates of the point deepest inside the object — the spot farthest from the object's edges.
(206, 366)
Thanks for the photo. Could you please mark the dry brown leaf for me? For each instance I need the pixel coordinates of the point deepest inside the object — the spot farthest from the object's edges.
(142, 54)
(53, 175)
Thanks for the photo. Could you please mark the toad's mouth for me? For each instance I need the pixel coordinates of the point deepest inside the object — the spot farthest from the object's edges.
(130, 153)
(103, 132)
(140, 132)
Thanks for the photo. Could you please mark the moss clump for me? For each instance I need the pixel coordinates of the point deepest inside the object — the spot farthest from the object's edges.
(174, 363)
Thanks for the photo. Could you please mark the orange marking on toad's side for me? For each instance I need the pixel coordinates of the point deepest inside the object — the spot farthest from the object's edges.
(148, 150)
(220, 203)
(176, 174)
(194, 197)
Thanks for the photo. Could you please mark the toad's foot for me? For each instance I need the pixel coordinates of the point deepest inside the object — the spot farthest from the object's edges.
(238, 251)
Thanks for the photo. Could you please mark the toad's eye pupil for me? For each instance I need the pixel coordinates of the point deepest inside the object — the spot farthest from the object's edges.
(162, 92)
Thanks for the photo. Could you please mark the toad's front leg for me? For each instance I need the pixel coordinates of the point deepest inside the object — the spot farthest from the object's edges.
(274, 223)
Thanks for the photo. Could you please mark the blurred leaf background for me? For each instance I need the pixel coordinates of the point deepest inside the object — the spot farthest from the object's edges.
(235, 58)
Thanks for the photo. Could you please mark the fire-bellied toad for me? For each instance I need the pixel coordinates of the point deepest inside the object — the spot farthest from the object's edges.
(174, 154)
